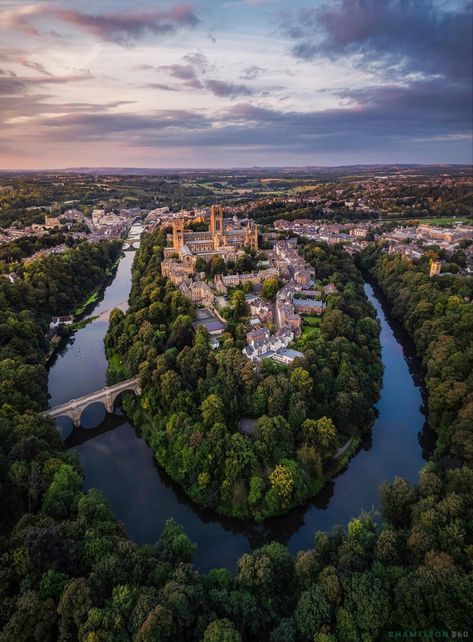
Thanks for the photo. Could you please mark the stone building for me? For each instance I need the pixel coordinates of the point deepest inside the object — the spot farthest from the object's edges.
(224, 238)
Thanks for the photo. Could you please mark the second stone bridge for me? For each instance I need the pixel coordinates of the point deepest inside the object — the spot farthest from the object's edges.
(107, 396)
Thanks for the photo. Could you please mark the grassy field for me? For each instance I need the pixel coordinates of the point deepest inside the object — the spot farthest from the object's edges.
(92, 298)
(115, 363)
(310, 321)
(309, 331)
(441, 220)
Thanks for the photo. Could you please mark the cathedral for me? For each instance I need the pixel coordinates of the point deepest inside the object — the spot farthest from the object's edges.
(225, 238)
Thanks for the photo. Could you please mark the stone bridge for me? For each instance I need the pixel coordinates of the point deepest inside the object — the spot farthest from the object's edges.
(107, 396)
(131, 244)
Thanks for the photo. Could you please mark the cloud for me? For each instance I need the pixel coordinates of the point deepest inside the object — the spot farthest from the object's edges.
(420, 51)
(191, 73)
(188, 73)
(36, 66)
(198, 61)
(13, 84)
(96, 126)
(159, 85)
(222, 88)
(121, 27)
(194, 75)
(382, 118)
(10, 84)
(251, 72)
(404, 36)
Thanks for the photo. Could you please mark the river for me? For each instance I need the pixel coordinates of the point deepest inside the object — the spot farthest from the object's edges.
(117, 460)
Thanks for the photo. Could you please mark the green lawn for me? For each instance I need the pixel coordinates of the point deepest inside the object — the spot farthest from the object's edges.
(441, 220)
(310, 321)
(115, 362)
(308, 331)
(92, 298)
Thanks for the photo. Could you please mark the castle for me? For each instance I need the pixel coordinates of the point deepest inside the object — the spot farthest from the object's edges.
(225, 238)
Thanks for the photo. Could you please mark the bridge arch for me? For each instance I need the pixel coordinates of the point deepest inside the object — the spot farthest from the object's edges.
(107, 396)
(131, 244)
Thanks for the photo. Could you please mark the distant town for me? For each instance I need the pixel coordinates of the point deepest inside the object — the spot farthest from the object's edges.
(213, 249)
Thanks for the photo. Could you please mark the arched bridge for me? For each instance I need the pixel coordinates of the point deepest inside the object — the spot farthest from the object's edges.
(107, 396)
(131, 244)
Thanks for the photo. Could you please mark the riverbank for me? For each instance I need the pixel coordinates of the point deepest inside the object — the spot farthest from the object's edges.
(116, 459)
(94, 296)
(303, 412)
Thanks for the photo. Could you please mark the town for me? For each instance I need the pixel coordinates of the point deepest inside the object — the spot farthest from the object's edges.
(224, 331)
(236, 320)
(214, 250)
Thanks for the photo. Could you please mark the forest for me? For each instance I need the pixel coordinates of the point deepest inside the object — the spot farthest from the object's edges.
(68, 572)
(438, 314)
(50, 286)
(193, 397)
(12, 253)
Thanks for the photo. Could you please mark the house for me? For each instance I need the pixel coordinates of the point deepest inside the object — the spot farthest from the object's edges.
(198, 291)
(309, 306)
(51, 221)
(330, 289)
(262, 310)
(257, 339)
(287, 355)
(263, 345)
(65, 320)
(12, 277)
(214, 326)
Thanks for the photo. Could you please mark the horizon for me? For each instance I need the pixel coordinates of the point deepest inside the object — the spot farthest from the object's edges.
(244, 83)
(73, 169)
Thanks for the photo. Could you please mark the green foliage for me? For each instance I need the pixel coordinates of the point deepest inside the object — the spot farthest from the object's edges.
(270, 288)
(67, 570)
(221, 631)
(196, 397)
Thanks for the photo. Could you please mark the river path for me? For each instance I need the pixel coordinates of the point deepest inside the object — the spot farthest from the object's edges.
(117, 460)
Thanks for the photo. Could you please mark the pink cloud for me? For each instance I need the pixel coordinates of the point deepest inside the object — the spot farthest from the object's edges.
(120, 26)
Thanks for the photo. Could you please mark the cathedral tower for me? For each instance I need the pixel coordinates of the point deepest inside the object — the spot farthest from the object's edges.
(178, 234)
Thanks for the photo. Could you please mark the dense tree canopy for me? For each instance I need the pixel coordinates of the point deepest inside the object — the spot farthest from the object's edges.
(69, 573)
(193, 398)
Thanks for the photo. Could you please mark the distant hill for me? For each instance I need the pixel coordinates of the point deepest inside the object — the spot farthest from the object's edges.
(315, 171)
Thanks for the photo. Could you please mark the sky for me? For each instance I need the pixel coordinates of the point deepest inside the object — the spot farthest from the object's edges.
(234, 83)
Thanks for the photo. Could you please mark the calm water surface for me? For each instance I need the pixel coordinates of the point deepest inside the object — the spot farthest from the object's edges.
(117, 461)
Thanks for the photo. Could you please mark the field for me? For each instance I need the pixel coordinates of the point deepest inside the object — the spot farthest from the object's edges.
(308, 320)
(440, 220)
(309, 331)
(115, 363)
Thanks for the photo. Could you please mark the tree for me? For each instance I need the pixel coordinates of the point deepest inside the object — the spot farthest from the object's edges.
(170, 386)
(182, 332)
(217, 265)
(174, 545)
(284, 632)
(62, 495)
(302, 382)
(273, 439)
(396, 501)
(270, 288)
(221, 631)
(239, 306)
(367, 599)
(73, 608)
(336, 324)
(212, 410)
(282, 481)
(32, 620)
(312, 611)
(320, 434)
